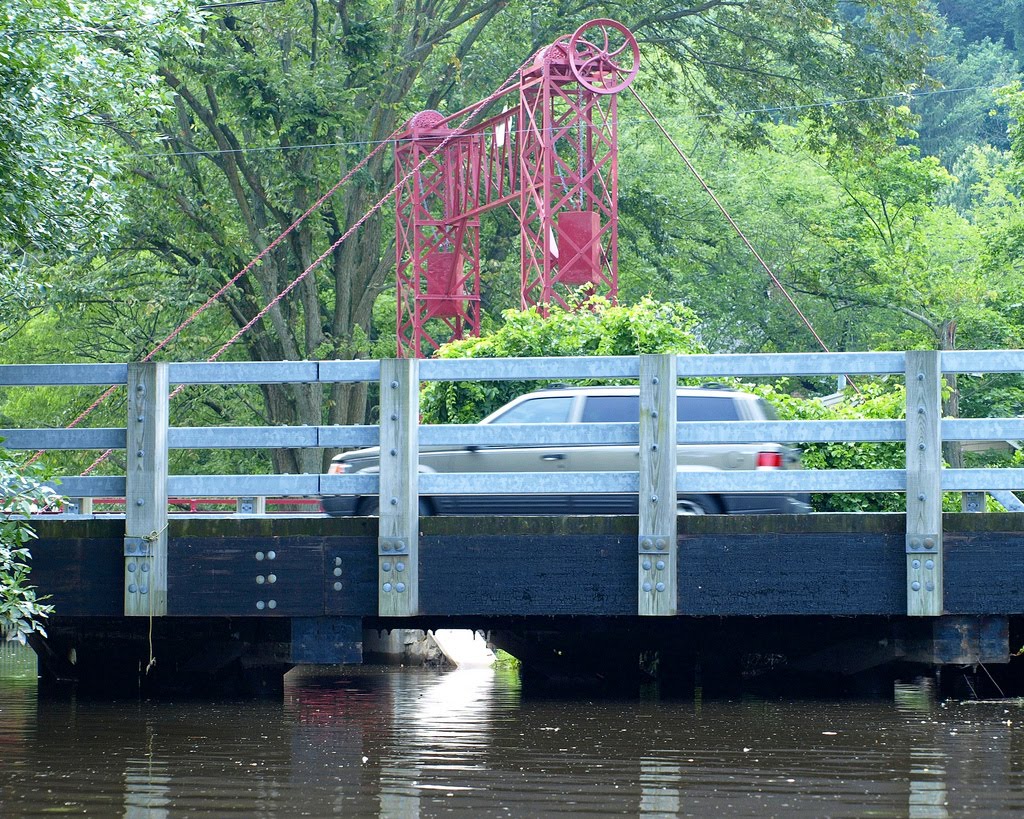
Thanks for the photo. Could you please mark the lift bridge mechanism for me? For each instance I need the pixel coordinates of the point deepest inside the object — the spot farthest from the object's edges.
(552, 158)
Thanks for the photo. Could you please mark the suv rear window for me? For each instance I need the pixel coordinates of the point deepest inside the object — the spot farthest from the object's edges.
(608, 409)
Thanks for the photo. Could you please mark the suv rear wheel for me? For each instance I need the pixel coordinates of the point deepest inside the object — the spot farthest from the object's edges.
(691, 506)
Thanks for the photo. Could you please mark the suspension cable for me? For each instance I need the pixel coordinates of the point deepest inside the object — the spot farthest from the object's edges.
(502, 89)
(216, 296)
(739, 232)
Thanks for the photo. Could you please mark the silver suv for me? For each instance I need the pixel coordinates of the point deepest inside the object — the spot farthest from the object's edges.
(585, 405)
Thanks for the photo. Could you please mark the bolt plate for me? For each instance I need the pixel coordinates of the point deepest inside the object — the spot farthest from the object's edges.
(916, 544)
(392, 546)
(136, 546)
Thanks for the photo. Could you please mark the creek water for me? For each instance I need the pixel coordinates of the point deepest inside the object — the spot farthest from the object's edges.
(410, 743)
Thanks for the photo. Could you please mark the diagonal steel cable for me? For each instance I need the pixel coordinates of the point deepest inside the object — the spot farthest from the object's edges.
(735, 227)
(216, 296)
(502, 89)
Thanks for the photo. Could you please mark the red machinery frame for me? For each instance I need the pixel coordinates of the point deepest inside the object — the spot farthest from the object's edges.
(554, 155)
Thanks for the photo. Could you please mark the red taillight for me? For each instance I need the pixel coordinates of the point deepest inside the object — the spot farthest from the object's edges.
(337, 468)
(769, 460)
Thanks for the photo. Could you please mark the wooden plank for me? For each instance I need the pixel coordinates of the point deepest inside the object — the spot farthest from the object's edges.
(397, 541)
(656, 546)
(924, 484)
(255, 576)
(145, 525)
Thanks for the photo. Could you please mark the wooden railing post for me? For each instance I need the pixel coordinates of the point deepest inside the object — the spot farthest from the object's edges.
(924, 483)
(657, 544)
(145, 516)
(398, 536)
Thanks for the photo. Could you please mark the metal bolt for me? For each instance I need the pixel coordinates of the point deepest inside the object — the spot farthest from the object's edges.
(260, 605)
(145, 567)
(400, 587)
(921, 496)
(646, 564)
(647, 587)
(386, 546)
(337, 572)
(655, 380)
(915, 564)
(139, 388)
(271, 604)
(394, 416)
(143, 589)
(915, 543)
(394, 452)
(659, 565)
(337, 561)
(654, 413)
(929, 586)
(271, 555)
(915, 586)
(654, 498)
(394, 385)
(929, 564)
(259, 555)
(654, 447)
(132, 588)
(387, 587)
(260, 579)
(920, 410)
(646, 543)
(337, 586)
(920, 376)
(929, 543)
(921, 447)
(394, 501)
(140, 418)
(271, 578)
(660, 587)
(140, 502)
(131, 567)
(661, 544)
(399, 566)
(141, 452)
(386, 566)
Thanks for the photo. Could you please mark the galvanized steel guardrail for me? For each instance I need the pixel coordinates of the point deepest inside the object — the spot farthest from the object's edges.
(147, 438)
(597, 367)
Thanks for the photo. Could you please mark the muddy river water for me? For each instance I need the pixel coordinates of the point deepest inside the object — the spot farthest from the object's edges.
(416, 743)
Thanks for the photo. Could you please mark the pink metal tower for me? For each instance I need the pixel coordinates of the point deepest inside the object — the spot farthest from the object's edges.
(554, 155)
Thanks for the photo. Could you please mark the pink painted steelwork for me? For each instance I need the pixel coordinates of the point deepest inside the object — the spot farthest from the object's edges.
(555, 154)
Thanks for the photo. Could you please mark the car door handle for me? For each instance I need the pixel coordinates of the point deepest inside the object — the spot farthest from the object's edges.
(557, 457)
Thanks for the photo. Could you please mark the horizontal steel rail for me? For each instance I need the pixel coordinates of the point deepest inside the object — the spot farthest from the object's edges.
(458, 435)
(530, 435)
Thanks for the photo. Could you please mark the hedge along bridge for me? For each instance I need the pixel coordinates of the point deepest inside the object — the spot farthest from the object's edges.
(270, 592)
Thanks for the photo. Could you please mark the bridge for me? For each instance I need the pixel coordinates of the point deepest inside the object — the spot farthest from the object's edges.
(150, 597)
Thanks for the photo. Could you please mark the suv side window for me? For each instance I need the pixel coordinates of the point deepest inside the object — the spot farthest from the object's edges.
(548, 410)
(626, 408)
(611, 409)
(706, 408)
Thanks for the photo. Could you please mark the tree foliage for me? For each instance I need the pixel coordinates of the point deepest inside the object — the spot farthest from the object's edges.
(72, 75)
(21, 611)
(598, 329)
(277, 101)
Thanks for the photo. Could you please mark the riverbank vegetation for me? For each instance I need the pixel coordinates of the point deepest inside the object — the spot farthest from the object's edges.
(21, 611)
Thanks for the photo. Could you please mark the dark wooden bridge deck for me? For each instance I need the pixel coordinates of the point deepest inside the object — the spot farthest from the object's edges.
(470, 567)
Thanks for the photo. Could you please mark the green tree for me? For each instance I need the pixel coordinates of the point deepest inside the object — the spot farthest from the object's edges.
(72, 74)
(280, 99)
(598, 329)
(21, 612)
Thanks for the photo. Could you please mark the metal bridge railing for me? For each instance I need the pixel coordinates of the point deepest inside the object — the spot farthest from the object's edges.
(147, 438)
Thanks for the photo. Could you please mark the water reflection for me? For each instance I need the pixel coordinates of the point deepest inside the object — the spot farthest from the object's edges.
(419, 744)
